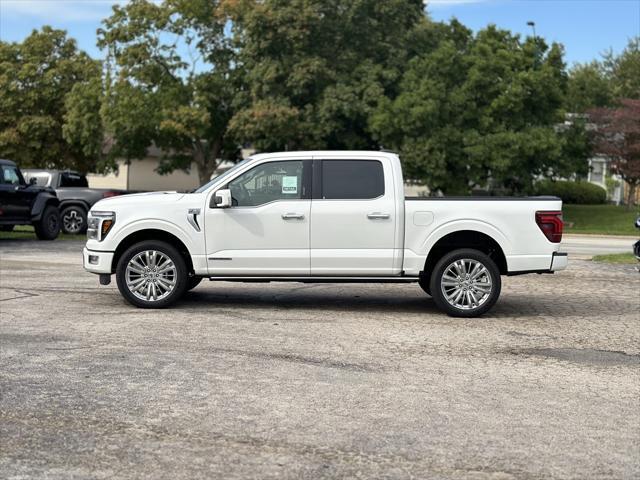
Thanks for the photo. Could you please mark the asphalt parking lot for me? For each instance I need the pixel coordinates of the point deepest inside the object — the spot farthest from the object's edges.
(315, 381)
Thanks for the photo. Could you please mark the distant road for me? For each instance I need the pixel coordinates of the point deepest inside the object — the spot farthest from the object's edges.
(589, 245)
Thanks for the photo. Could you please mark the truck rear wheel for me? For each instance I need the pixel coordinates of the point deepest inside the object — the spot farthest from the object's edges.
(48, 227)
(74, 220)
(465, 283)
(151, 274)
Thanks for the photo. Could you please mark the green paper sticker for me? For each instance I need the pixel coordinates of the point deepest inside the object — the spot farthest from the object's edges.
(290, 185)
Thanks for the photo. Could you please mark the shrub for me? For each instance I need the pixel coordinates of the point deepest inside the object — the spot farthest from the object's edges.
(580, 192)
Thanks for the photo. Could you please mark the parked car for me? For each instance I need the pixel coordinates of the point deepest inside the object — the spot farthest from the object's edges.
(23, 203)
(321, 217)
(76, 198)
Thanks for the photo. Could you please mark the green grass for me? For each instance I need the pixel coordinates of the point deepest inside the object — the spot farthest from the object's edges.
(615, 258)
(25, 232)
(600, 219)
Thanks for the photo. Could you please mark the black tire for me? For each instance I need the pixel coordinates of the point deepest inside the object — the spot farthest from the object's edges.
(74, 220)
(6, 228)
(180, 276)
(193, 282)
(492, 274)
(48, 227)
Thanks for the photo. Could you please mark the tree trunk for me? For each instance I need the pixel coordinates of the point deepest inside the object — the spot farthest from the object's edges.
(206, 160)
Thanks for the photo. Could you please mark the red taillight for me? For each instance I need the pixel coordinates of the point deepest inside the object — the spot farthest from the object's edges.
(110, 194)
(551, 225)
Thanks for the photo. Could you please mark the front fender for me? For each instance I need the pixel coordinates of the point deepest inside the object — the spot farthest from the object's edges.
(116, 237)
(42, 200)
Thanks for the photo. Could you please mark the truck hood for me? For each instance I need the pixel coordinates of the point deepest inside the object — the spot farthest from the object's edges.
(137, 199)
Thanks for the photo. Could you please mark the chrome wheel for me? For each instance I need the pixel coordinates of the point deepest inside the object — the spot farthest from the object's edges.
(466, 284)
(151, 275)
(72, 222)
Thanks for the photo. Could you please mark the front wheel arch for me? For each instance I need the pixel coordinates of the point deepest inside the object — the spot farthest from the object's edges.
(152, 234)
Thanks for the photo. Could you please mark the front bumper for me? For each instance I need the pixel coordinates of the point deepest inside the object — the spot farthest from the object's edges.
(97, 262)
(559, 261)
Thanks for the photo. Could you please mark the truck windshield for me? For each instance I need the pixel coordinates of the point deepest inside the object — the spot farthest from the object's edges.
(222, 175)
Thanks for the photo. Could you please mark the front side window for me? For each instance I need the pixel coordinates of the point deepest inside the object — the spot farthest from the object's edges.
(11, 176)
(267, 183)
(352, 179)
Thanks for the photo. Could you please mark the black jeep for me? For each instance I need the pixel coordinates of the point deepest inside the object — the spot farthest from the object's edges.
(27, 204)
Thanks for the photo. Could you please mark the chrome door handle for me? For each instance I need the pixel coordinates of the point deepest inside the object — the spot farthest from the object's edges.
(378, 216)
(292, 216)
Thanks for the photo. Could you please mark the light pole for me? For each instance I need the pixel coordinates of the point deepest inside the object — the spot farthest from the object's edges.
(532, 24)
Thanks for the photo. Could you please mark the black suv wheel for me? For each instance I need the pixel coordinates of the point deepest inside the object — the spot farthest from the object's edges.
(151, 274)
(48, 227)
(465, 283)
(74, 220)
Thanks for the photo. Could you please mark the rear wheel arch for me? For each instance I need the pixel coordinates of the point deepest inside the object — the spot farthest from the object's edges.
(74, 203)
(152, 234)
(463, 239)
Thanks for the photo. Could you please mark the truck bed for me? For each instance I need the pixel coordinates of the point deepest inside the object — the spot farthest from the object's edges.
(510, 221)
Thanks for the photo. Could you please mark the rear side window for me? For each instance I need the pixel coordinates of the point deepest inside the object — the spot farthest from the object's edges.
(42, 179)
(352, 179)
(73, 180)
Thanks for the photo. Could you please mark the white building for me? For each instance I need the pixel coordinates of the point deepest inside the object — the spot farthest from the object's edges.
(599, 174)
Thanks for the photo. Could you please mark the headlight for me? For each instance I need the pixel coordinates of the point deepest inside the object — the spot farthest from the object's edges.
(99, 224)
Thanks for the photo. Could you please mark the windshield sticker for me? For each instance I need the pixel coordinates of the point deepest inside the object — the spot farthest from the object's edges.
(289, 185)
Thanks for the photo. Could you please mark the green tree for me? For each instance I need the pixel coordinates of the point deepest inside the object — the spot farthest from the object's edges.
(171, 82)
(624, 70)
(478, 109)
(316, 69)
(589, 87)
(37, 79)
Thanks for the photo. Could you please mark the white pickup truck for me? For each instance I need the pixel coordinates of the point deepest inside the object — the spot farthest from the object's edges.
(325, 216)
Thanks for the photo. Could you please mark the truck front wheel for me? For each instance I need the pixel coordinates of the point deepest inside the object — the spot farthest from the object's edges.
(48, 227)
(465, 283)
(151, 274)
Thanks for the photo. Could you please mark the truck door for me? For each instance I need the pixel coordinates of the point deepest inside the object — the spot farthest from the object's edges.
(353, 221)
(266, 230)
(15, 200)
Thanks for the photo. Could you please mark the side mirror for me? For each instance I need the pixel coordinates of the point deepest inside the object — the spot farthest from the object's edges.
(33, 181)
(222, 199)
